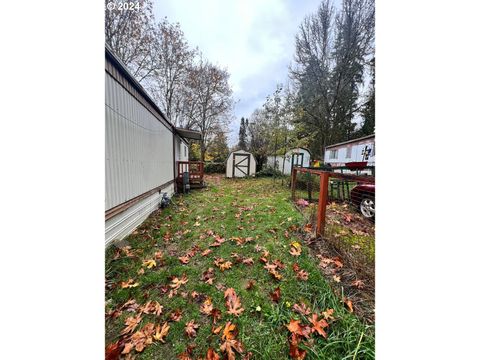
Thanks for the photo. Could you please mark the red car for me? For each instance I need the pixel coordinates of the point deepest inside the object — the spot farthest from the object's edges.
(363, 196)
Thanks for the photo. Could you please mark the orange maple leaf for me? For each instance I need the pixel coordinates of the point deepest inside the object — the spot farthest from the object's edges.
(318, 325)
(232, 302)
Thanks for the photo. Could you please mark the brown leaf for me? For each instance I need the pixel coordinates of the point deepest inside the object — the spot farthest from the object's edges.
(302, 275)
(176, 282)
(184, 259)
(248, 261)
(318, 325)
(216, 330)
(161, 332)
(328, 314)
(112, 351)
(128, 284)
(295, 352)
(349, 304)
(275, 295)
(176, 315)
(230, 344)
(212, 355)
(358, 284)
(225, 266)
(301, 309)
(232, 301)
(208, 276)
(250, 284)
(152, 307)
(191, 329)
(206, 252)
(336, 278)
(296, 267)
(207, 306)
(295, 327)
(295, 252)
(131, 323)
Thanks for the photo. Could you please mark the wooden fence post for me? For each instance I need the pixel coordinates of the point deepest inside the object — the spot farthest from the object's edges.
(294, 182)
(322, 204)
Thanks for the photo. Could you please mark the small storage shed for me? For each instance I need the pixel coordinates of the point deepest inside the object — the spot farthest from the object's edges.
(295, 157)
(240, 163)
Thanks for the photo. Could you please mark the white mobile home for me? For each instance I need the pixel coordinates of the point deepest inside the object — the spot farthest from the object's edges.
(295, 157)
(141, 149)
(361, 150)
(240, 163)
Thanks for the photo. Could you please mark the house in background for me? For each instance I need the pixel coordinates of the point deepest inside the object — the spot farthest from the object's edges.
(142, 148)
(359, 152)
(295, 157)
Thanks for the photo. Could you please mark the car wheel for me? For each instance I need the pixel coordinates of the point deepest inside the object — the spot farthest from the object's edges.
(367, 207)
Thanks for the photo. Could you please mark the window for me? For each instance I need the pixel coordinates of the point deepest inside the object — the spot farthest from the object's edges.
(185, 150)
(349, 152)
(333, 154)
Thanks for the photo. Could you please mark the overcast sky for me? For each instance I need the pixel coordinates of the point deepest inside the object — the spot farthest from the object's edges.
(254, 39)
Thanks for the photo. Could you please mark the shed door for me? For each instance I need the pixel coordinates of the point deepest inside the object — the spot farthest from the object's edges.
(297, 160)
(241, 165)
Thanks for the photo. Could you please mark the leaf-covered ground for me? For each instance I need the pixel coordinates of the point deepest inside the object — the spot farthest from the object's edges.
(257, 294)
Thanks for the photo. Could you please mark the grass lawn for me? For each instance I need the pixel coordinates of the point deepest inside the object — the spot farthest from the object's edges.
(252, 216)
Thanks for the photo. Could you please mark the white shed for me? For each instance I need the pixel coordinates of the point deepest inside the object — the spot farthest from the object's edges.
(241, 163)
(295, 157)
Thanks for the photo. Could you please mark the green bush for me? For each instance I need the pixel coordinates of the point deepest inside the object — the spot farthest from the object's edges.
(214, 168)
(268, 172)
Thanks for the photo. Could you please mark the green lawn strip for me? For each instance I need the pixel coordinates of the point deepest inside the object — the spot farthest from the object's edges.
(262, 325)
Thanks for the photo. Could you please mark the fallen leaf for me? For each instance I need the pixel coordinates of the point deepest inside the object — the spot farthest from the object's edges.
(207, 306)
(275, 295)
(149, 263)
(250, 284)
(301, 309)
(232, 301)
(295, 352)
(248, 261)
(176, 315)
(158, 255)
(176, 282)
(212, 355)
(318, 325)
(152, 307)
(295, 251)
(302, 275)
(184, 259)
(191, 329)
(208, 276)
(349, 304)
(336, 278)
(327, 314)
(112, 351)
(131, 323)
(128, 284)
(358, 284)
(206, 252)
(161, 332)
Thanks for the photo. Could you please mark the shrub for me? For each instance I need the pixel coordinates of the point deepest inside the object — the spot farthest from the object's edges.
(268, 172)
(212, 168)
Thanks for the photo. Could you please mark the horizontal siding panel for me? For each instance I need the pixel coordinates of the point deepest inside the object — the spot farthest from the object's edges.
(138, 147)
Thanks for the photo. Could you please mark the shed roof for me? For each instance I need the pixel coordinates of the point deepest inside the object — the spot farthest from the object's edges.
(351, 141)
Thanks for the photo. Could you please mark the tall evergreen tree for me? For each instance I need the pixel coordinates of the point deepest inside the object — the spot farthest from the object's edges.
(368, 110)
(242, 134)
